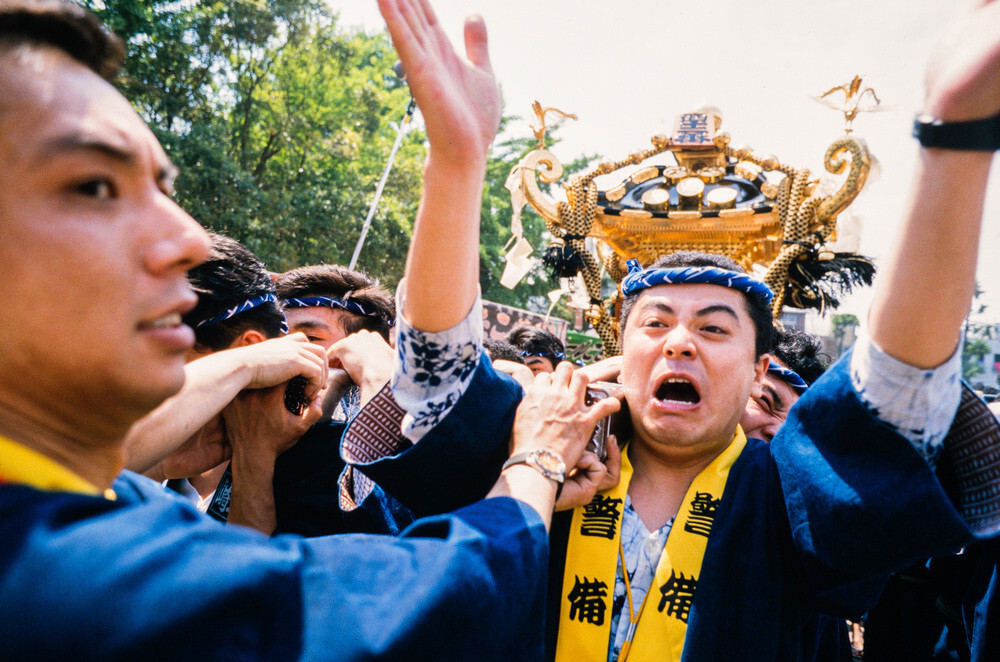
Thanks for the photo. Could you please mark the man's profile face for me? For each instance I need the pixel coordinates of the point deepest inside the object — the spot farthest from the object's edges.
(93, 248)
(689, 366)
(766, 413)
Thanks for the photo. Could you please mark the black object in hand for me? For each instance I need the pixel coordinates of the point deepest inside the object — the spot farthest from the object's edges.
(295, 395)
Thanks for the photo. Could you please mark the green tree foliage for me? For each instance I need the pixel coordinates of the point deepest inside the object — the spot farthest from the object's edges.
(973, 352)
(280, 123)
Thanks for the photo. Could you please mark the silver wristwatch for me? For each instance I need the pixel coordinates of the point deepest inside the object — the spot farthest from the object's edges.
(546, 462)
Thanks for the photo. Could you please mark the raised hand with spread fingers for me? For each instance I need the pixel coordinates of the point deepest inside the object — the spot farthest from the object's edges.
(460, 102)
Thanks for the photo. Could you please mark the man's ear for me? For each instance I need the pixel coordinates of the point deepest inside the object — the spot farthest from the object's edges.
(759, 370)
(249, 337)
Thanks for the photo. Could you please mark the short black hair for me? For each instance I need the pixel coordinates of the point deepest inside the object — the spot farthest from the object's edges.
(338, 282)
(501, 350)
(65, 26)
(801, 352)
(230, 276)
(536, 342)
(758, 309)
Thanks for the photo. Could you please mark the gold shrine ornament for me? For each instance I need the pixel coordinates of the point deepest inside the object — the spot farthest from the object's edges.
(713, 198)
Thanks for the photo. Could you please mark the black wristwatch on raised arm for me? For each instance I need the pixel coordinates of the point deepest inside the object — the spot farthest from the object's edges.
(974, 135)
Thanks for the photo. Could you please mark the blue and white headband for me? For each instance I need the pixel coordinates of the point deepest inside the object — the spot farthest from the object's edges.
(242, 308)
(788, 376)
(639, 279)
(558, 356)
(330, 302)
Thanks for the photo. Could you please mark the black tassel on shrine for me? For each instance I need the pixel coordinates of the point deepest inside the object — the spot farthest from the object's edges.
(561, 260)
(818, 280)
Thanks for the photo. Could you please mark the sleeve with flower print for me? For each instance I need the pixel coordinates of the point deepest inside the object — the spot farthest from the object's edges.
(432, 370)
(918, 404)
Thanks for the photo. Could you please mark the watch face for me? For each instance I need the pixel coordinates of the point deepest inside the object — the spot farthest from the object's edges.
(549, 462)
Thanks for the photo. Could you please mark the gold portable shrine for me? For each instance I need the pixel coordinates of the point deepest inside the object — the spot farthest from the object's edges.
(713, 198)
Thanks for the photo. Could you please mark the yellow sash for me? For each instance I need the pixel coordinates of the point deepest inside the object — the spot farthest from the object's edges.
(592, 560)
(19, 464)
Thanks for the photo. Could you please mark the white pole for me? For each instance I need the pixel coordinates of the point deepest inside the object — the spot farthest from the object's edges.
(381, 182)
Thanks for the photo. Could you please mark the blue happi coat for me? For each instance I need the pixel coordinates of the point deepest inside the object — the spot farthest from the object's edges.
(148, 577)
(808, 526)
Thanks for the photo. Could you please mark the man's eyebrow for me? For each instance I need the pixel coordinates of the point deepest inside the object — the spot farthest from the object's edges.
(311, 324)
(661, 307)
(79, 143)
(718, 308)
(167, 173)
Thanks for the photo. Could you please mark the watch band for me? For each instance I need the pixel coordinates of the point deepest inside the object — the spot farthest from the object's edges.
(545, 461)
(981, 135)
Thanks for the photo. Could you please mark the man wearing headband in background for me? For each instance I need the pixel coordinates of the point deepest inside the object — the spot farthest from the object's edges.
(283, 488)
(351, 316)
(736, 547)
(541, 350)
(794, 365)
(330, 303)
(233, 434)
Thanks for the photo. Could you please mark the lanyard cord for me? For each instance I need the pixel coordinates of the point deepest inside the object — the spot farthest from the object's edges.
(633, 621)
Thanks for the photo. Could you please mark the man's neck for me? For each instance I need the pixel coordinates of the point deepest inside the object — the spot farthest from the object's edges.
(207, 482)
(97, 460)
(660, 480)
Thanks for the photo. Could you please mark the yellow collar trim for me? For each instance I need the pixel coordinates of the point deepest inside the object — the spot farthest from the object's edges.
(21, 465)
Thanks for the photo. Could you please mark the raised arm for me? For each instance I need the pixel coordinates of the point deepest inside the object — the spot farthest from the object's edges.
(925, 289)
(460, 103)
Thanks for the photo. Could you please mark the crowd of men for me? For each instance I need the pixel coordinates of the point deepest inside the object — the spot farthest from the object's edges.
(201, 458)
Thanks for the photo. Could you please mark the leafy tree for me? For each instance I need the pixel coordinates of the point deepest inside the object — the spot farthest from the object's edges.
(973, 352)
(279, 122)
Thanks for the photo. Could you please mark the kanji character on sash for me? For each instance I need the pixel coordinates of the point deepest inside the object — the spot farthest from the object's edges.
(585, 602)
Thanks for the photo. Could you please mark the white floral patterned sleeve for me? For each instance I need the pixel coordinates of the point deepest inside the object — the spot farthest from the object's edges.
(432, 370)
(918, 404)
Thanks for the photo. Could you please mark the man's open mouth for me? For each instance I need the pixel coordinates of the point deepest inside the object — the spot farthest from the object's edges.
(678, 389)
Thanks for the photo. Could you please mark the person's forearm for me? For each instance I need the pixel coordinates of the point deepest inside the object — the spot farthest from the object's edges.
(925, 288)
(210, 383)
(526, 484)
(252, 499)
(443, 262)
